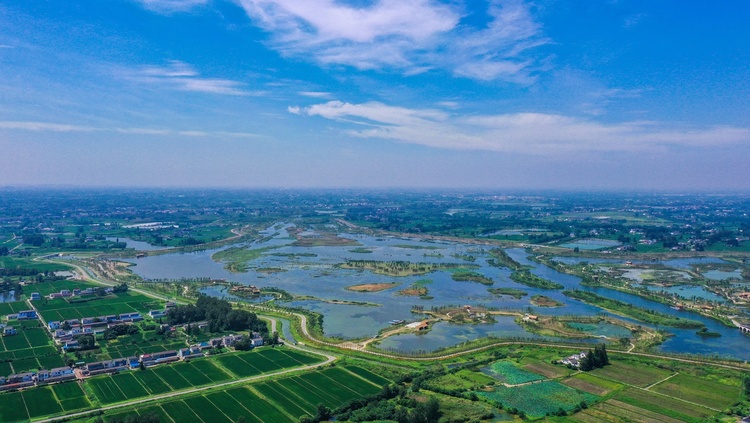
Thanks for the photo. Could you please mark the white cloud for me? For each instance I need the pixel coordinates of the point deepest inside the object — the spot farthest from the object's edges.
(57, 127)
(449, 104)
(45, 126)
(295, 110)
(411, 36)
(315, 94)
(167, 6)
(181, 76)
(533, 133)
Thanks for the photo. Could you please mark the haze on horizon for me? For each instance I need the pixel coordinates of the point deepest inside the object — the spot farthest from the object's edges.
(616, 95)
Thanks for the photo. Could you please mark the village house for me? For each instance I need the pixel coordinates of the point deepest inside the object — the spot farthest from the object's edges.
(256, 340)
(71, 345)
(192, 352)
(9, 331)
(159, 358)
(131, 317)
(58, 374)
(107, 366)
(574, 360)
(27, 315)
(18, 381)
(155, 314)
(35, 296)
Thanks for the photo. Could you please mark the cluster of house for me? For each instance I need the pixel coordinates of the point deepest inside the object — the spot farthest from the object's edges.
(65, 293)
(574, 360)
(24, 380)
(64, 332)
(152, 359)
(157, 314)
(21, 315)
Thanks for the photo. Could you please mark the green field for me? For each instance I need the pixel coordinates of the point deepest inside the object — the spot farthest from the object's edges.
(589, 383)
(24, 339)
(656, 403)
(281, 401)
(618, 411)
(640, 376)
(372, 377)
(700, 391)
(75, 308)
(12, 307)
(33, 403)
(538, 399)
(110, 389)
(71, 396)
(262, 361)
(506, 372)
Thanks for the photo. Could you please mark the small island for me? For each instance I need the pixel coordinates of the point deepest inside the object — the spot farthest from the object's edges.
(469, 276)
(544, 301)
(372, 287)
(511, 292)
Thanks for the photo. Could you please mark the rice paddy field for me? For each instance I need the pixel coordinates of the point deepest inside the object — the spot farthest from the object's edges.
(110, 389)
(12, 307)
(283, 400)
(30, 349)
(43, 401)
(75, 308)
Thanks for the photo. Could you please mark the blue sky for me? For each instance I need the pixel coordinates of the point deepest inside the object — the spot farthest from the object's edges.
(550, 94)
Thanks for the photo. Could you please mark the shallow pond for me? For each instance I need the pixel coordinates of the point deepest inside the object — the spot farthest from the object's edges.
(601, 329)
(591, 244)
(721, 275)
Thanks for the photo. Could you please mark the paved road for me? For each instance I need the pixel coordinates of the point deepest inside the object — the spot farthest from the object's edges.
(303, 320)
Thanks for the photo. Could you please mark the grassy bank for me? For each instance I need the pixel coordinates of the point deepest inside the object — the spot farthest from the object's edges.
(638, 313)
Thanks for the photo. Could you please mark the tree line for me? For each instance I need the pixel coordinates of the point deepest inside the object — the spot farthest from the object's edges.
(218, 314)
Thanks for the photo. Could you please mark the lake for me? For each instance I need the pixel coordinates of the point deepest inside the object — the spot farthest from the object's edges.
(318, 277)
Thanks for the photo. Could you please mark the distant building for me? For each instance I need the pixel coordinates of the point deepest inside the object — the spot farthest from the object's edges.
(27, 315)
(36, 296)
(574, 360)
(156, 314)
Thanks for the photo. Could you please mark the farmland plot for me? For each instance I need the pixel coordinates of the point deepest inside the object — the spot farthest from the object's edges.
(538, 399)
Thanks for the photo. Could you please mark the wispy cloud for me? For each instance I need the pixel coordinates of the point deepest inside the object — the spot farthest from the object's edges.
(169, 6)
(315, 94)
(45, 126)
(6, 46)
(533, 133)
(410, 36)
(59, 127)
(178, 75)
